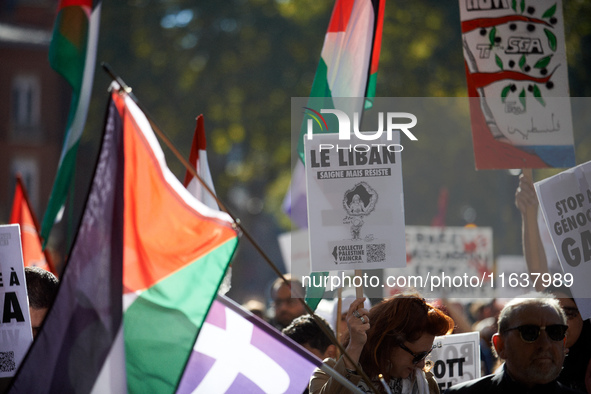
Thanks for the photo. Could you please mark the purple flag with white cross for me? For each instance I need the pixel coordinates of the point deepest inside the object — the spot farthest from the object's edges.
(236, 352)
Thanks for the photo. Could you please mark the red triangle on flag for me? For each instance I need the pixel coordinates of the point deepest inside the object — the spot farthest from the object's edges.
(22, 214)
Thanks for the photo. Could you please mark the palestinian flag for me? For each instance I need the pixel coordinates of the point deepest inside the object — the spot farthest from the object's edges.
(347, 69)
(23, 214)
(198, 158)
(177, 251)
(143, 236)
(349, 59)
(72, 53)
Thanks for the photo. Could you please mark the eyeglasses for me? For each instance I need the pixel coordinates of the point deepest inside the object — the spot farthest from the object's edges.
(416, 357)
(530, 332)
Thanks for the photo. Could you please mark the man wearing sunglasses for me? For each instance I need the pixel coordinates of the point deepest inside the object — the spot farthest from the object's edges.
(531, 340)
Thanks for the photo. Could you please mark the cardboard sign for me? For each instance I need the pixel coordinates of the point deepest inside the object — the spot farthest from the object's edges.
(445, 261)
(15, 328)
(355, 203)
(546, 238)
(516, 71)
(295, 251)
(565, 201)
(455, 359)
(512, 267)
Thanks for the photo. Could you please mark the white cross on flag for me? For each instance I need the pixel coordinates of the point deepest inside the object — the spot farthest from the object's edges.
(236, 352)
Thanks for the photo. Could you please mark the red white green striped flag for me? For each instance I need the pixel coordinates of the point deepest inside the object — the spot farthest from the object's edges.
(142, 274)
(198, 158)
(72, 53)
(348, 68)
(176, 253)
(349, 59)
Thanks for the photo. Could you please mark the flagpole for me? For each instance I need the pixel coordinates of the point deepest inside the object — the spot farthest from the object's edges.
(340, 378)
(124, 87)
(359, 290)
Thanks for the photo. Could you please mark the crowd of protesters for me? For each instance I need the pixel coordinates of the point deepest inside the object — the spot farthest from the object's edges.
(537, 343)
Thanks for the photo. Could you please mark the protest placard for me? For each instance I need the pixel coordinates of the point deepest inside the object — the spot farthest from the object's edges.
(565, 201)
(548, 246)
(15, 330)
(355, 202)
(455, 359)
(512, 267)
(516, 72)
(445, 261)
(295, 251)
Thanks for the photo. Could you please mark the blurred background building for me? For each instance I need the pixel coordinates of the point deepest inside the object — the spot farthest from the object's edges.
(34, 103)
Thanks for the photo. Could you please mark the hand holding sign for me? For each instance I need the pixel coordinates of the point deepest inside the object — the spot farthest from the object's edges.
(565, 200)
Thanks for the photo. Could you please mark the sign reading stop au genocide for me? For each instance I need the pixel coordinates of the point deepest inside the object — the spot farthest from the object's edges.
(565, 200)
(355, 202)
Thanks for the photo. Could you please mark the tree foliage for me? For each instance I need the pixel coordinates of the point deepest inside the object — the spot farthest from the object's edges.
(239, 62)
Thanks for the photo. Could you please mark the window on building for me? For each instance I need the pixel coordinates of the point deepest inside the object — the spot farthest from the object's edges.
(28, 168)
(25, 103)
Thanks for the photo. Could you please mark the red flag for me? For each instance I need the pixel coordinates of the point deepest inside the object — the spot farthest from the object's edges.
(439, 219)
(22, 214)
(198, 158)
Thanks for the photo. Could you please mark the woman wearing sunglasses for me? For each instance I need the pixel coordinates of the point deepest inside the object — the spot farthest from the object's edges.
(392, 340)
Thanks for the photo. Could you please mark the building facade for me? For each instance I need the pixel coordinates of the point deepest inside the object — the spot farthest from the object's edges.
(34, 102)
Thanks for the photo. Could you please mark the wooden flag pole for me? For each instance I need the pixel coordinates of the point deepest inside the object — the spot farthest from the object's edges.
(359, 289)
(338, 322)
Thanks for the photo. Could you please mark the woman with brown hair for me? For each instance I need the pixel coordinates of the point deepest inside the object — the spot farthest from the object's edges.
(392, 339)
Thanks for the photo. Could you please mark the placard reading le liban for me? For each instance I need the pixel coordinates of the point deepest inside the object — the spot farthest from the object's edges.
(355, 203)
(15, 329)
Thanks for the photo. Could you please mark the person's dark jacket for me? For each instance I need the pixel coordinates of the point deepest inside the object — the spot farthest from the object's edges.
(501, 382)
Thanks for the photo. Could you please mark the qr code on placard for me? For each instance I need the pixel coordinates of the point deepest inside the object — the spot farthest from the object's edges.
(376, 253)
(7, 363)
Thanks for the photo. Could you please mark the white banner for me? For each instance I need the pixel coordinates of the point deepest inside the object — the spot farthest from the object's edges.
(295, 251)
(512, 267)
(445, 261)
(15, 331)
